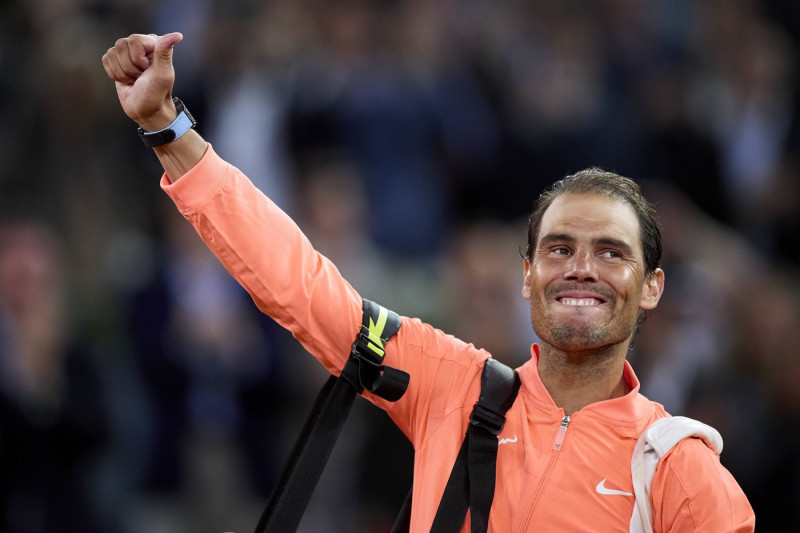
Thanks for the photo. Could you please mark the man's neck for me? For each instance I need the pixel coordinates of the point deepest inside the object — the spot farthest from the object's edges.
(575, 380)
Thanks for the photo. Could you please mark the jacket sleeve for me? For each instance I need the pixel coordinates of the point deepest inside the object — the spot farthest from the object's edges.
(692, 491)
(268, 254)
(265, 251)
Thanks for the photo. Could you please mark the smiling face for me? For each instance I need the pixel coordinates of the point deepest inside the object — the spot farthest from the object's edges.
(585, 277)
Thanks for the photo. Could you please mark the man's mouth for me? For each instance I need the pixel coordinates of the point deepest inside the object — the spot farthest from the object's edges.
(579, 296)
(579, 302)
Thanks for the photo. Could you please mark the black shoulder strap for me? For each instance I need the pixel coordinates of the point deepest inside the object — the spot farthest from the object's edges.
(363, 370)
(472, 480)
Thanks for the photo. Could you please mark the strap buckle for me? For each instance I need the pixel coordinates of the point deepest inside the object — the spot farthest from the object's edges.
(499, 386)
(487, 419)
(363, 372)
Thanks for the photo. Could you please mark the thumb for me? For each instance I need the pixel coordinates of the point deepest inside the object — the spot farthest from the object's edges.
(162, 54)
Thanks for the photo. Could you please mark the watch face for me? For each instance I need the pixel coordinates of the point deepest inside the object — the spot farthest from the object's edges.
(181, 107)
(190, 117)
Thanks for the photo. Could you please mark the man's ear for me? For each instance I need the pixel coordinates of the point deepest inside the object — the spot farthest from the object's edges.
(652, 290)
(526, 279)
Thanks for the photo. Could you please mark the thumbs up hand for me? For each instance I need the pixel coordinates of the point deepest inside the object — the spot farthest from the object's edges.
(141, 67)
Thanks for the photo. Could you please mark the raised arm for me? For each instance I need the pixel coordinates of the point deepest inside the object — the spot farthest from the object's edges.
(257, 242)
(141, 67)
(268, 254)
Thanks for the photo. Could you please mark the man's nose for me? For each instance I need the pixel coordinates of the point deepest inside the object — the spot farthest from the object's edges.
(581, 267)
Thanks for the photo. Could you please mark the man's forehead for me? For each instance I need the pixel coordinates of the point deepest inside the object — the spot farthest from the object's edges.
(583, 213)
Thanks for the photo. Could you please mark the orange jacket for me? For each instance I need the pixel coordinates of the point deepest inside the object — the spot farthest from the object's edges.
(552, 474)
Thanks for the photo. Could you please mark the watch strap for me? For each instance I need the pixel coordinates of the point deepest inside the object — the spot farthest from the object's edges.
(182, 123)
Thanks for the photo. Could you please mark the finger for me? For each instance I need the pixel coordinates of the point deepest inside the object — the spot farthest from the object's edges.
(121, 75)
(113, 69)
(126, 56)
(140, 49)
(106, 65)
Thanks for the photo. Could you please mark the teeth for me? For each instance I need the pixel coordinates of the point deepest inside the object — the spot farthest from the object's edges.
(579, 302)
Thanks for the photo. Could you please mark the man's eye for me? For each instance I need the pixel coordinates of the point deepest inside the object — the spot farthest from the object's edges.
(611, 254)
(561, 250)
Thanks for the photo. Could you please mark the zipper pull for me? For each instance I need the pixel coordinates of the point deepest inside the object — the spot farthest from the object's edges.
(562, 431)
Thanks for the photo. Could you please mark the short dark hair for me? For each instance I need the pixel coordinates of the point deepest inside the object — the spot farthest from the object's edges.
(599, 181)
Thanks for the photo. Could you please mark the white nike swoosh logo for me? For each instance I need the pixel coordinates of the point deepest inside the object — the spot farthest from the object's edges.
(601, 489)
(508, 441)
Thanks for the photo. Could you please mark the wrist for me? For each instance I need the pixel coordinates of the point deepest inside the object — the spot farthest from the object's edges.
(159, 120)
(181, 123)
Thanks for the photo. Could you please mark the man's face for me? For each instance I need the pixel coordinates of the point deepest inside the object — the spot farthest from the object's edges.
(586, 279)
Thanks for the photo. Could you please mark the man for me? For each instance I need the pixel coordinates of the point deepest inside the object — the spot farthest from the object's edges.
(590, 271)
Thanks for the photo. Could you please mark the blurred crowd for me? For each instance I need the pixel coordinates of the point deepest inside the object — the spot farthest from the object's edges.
(141, 391)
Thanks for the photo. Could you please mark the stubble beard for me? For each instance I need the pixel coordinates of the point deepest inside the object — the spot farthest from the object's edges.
(577, 335)
(568, 336)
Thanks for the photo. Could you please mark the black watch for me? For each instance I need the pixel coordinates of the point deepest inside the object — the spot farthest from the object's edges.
(182, 123)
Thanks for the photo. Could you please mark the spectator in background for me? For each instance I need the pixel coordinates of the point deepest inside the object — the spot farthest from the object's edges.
(53, 419)
(382, 85)
(745, 97)
(210, 363)
(482, 269)
(768, 338)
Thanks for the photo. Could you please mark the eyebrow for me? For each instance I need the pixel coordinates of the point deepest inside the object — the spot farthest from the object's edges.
(552, 238)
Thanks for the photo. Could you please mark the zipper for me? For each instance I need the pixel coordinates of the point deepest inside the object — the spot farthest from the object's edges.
(562, 431)
(557, 443)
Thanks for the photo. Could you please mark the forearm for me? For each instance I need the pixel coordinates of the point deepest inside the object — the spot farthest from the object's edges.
(181, 155)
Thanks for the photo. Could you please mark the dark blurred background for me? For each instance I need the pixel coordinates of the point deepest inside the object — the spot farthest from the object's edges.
(140, 390)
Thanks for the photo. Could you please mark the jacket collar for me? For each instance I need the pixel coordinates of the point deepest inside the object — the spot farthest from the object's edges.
(629, 414)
